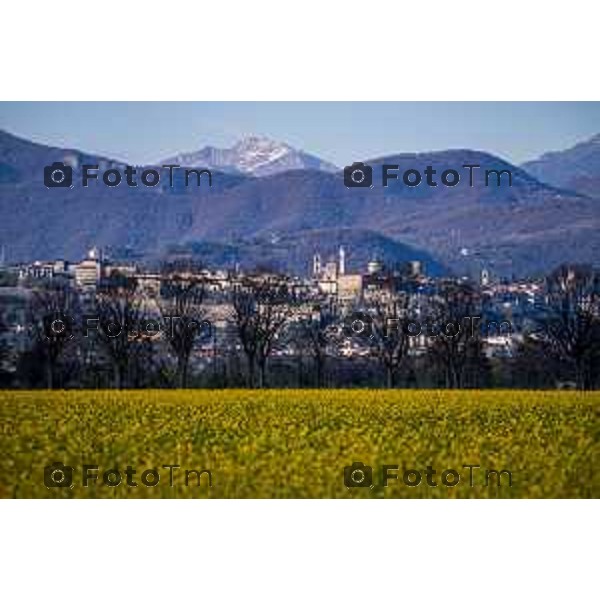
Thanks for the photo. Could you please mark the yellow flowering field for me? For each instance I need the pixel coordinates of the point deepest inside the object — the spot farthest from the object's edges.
(297, 443)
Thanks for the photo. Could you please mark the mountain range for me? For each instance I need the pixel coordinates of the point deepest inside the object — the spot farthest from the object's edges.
(259, 212)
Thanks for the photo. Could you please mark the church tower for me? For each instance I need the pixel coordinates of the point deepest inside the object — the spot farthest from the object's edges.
(316, 264)
(342, 266)
(485, 277)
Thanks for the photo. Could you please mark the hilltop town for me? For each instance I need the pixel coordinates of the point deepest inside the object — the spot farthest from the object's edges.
(383, 325)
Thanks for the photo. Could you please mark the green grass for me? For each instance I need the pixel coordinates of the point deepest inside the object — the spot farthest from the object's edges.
(295, 443)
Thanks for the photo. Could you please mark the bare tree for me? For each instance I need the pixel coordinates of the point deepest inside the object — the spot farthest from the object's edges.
(316, 331)
(455, 343)
(5, 375)
(183, 291)
(569, 327)
(390, 333)
(52, 314)
(121, 315)
(261, 308)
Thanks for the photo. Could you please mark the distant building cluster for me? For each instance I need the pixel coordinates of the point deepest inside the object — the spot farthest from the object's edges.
(332, 278)
(85, 276)
(328, 294)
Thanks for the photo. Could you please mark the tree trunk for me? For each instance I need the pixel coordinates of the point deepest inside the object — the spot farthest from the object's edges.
(49, 375)
(183, 371)
(251, 370)
(449, 378)
(118, 376)
(389, 377)
(581, 375)
(262, 373)
(299, 371)
(319, 365)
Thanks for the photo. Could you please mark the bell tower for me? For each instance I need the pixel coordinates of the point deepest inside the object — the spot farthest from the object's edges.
(316, 264)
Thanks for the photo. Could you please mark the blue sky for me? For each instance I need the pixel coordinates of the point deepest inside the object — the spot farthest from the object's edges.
(142, 132)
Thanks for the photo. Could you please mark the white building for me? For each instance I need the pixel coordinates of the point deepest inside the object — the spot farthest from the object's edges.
(88, 271)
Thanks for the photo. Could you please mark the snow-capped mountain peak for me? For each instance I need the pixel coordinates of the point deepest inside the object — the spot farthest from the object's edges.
(253, 155)
(255, 152)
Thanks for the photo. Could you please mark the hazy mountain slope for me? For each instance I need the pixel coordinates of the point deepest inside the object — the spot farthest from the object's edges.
(524, 229)
(577, 168)
(41, 223)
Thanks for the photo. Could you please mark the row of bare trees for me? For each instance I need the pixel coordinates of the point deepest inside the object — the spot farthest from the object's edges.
(569, 326)
(261, 309)
(266, 313)
(389, 328)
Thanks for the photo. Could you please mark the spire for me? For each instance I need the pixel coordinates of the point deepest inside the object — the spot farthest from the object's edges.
(316, 264)
(342, 269)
